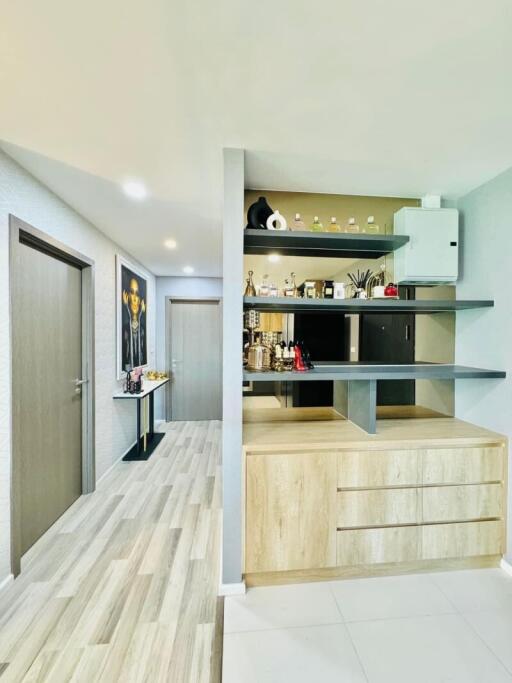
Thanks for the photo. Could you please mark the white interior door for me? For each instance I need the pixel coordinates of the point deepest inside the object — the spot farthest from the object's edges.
(195, 362)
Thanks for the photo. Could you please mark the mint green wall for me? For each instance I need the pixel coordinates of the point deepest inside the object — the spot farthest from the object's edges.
(484, 338)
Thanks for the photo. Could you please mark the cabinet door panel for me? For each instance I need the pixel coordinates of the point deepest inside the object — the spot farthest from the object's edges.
(462, 465)
(467, 539)
(371, 546)
(291, 511)
(379, 507)
(367, 469)
(459, 503)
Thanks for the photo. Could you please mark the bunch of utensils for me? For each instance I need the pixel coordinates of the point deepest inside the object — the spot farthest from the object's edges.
(359, 283)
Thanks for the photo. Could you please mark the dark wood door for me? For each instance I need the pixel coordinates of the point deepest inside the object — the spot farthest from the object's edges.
(389, 339)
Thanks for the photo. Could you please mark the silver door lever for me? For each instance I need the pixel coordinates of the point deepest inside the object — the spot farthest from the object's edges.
(78, 382)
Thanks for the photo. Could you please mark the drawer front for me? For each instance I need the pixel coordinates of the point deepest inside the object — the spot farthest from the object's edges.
(379, 507)
(467, 539)
(371, 546)
(459, 503)
(462, 465)
(368, 469)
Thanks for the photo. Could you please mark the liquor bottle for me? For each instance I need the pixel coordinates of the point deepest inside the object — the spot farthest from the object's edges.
(316, 226)
(298, 223)
(352, 225)
(371, 226)
(250, 289)
(265, 286)
(333, 225)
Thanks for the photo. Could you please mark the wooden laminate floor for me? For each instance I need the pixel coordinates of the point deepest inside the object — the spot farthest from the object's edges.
(124, 586)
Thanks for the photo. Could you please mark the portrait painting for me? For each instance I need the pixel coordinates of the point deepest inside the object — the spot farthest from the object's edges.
(132, 308)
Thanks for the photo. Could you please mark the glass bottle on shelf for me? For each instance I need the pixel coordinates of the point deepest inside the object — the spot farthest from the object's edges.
(265, 286)
(250, 289)
(371, 226)
(298, 224)
(316, 225)
(290, 288)
(333, 225)
(352, 225)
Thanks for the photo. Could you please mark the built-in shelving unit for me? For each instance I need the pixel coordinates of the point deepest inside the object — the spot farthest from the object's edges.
(323, 244)
(296, 305)
(368, 371)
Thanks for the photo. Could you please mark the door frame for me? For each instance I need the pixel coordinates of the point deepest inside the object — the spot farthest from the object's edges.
(168, 346)
(22, 232)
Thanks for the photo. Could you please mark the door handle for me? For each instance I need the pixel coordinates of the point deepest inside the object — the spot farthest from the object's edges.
(79, 382)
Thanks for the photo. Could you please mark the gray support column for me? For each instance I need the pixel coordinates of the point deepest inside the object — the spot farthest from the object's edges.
(362, 404)
(233, 263)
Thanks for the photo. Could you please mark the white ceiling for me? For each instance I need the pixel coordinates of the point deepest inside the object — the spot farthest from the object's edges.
(403, 97)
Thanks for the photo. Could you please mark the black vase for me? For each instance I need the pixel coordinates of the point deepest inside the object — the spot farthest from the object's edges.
(257, 214)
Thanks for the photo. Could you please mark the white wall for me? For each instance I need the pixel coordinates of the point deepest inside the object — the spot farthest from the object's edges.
(484, 337)
(179, 287)
(25, 197)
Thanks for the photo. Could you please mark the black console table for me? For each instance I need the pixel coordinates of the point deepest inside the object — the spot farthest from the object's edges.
(154, 438)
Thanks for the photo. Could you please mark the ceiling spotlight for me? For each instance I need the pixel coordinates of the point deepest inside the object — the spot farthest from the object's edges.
(170, 244)
(274, 258)
(135, 189)
(188, 270)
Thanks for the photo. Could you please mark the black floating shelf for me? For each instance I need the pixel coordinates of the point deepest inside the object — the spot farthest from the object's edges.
(292, 305)
(323, 244)
(362, 371)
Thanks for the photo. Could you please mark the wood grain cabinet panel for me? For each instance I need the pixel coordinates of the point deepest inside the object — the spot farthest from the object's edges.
(459, 503)
(372, 546)
(462, 465)
(368, 469)
(467, 539)
(291, 511)
(378, 507)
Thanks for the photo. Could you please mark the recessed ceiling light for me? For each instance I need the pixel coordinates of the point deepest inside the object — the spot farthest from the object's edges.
(135, 189)
(170, 244)
(274, 258)
(188, 270)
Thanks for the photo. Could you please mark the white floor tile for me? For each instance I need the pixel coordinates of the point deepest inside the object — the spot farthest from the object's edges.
(316, 654)
(476, 589)
(389, 597)
(437, 649)
(495, 629)
(304, 604)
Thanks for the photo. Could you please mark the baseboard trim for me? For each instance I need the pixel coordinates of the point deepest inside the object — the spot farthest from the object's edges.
(367, 571)
(116, 462)
(506, 566)
(6, 581)
(226, 589)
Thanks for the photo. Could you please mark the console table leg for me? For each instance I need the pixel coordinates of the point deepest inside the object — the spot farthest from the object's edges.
(138, 426)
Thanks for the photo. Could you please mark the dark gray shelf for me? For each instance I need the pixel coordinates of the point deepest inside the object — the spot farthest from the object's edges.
(323, 244)
(368, 371)
(291, 305)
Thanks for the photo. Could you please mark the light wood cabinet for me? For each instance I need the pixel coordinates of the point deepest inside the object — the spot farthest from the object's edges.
(350, 509)
(370, 469)
(378, 507)
(290, 511)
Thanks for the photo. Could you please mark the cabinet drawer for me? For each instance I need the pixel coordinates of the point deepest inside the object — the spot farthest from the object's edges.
(462, 465)
(458, 503)
(377, 507)
(367, 469)
(466, 539)
(371, 546)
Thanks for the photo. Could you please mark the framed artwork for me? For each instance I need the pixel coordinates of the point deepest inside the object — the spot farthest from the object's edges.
(131, 316)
